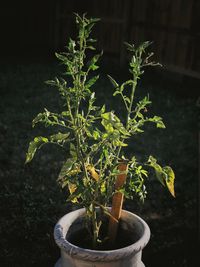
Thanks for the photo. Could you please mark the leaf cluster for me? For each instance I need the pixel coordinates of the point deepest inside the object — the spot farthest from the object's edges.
(93, 136)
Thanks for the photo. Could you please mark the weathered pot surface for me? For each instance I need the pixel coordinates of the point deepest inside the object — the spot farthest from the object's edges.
(74, 256)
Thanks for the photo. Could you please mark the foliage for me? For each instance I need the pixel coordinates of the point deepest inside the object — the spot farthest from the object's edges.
(95, 138)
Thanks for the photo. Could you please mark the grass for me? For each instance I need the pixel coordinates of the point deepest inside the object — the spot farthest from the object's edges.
(32, 202)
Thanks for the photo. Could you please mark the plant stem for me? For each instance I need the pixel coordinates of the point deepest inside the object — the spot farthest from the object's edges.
(94, 226)
(135, 78)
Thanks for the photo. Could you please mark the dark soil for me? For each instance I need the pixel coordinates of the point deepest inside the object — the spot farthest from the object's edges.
(82, 237)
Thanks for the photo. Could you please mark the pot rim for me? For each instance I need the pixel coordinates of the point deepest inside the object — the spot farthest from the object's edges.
(98, 255)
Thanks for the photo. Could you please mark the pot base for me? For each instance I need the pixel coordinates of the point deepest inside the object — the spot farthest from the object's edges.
(58, 264)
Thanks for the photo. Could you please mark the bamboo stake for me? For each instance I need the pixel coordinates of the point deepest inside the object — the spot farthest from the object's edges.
(117, 203)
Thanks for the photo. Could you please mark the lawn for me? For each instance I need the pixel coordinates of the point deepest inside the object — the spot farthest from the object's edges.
(31, 201)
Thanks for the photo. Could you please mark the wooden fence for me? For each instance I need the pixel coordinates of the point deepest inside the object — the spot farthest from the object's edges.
(172, 25)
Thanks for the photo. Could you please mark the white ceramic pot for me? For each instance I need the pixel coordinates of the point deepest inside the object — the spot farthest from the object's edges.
(74, 256)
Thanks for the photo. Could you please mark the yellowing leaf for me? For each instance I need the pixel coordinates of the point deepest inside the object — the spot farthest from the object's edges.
(158, 170)
(170, 179)
(74, 200)
(93, 172)
(103, 187)
(72, 187)
(73, 172)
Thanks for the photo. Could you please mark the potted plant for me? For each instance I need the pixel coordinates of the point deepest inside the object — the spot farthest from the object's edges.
(97, 171)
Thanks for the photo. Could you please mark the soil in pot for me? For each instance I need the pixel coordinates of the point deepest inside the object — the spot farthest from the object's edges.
(79, 236)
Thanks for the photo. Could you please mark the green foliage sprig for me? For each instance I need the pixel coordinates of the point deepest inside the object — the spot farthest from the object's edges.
(94, 136)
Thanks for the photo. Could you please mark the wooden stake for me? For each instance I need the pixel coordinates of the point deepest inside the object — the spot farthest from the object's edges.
(117, 203)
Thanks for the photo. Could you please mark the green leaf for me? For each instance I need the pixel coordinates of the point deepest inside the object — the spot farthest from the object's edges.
(107, 125)
(127, 99)
(51, 82)
(71, 45)
(78, 18)
(129, 46)
(92, 97)
(158, 121)
(119, 143)
(94, 20)
(102, 110)
(96, 135)
(122, 87)
(142, 47)
(73, 151)
(92, 40)
(116, 92)
(39, 118)
(94, 67)
(114, 83)
(59, 137)
(49, 119)
(110, 121)
(160, 124)
(66, 168)
(39, 141)
(92, 63)
(92, 81)
(61, 57)
(34, 145)
(65, 113)
(88, 131)
(91, 47)
(141, 105)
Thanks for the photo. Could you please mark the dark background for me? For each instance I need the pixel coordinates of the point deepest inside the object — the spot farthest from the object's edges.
(38, 28)
(30, 200)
